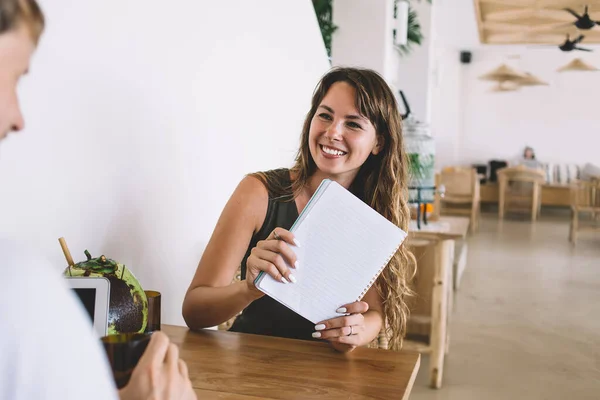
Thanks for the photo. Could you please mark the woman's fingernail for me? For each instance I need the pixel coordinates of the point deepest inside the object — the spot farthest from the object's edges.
(284, 280)
(296, 264)
(296, 242)
(292, 278)
(316, 334)
(319, 327)
(341, 310)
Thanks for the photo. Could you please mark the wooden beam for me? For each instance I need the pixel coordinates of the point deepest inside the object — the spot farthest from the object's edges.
(532, 21)
(479, 22)
(554, 27)
(511, 15)
(518, 27)
(558, 15)
(567, 3)
(508, 16)
(525, 38)
(503, 26)
(516, 3)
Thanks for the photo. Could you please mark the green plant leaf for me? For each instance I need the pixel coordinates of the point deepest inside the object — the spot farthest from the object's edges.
(324, 12)
(415, 35)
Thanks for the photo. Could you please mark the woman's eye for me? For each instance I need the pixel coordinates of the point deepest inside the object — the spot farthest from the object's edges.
(354, 125)
(325, 116)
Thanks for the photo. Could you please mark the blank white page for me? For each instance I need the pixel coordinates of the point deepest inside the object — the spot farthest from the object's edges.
(345, 245)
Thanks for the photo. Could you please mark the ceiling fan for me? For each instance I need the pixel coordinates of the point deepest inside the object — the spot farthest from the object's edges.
(584, 21)
(570, 45)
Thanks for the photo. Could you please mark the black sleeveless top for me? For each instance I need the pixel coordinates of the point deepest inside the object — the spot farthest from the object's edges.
(266, 316)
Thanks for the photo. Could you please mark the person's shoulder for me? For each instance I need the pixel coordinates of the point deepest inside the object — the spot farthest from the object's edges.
(31, 282)
(277, 182)
(17, 258)
(252, 187)
(37, 313)
(267, 184)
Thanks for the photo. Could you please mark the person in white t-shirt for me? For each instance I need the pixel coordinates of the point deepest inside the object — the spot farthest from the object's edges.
(47, 350)
(528, 159)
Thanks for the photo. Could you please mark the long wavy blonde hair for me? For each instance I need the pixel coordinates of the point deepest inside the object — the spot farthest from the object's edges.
(381, 182)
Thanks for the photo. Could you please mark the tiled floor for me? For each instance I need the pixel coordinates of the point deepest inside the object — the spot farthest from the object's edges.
(526, 322)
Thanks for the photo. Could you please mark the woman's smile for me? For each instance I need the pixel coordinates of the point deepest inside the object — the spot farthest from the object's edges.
(331, 152)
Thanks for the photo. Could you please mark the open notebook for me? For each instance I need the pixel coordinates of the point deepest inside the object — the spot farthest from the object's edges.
(344, 246)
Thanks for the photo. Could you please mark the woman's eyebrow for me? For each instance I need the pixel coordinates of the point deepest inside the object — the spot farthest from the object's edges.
(350, 116)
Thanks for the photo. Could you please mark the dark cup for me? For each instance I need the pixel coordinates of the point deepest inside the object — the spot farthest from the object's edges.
(124, 352)
(153, 311)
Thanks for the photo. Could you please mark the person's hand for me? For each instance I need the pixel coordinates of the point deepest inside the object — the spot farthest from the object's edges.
(347, 329)
(270, 256)
(160, 374)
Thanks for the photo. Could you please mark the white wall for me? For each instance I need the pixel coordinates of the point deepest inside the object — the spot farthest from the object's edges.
(561, 121)
(472, 124)
(446, 105)
(413, 72)
(364, 36)
(453, 29)
(142, 117)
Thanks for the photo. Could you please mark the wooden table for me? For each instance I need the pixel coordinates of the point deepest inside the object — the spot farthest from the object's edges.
(552, 194)
(443, 228)
(228, 365)
(435, 250)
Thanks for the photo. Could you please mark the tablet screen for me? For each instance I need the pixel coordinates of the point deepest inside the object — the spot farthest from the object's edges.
(88, 299)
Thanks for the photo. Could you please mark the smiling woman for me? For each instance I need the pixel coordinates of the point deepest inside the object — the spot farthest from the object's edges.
(352, 134)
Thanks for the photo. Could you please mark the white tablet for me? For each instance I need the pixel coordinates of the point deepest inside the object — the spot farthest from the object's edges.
(94, 293)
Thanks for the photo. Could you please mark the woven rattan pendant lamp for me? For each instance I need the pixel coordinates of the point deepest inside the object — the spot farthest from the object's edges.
(506, 86)
(531, 80)
(577, 64)
(503, 73)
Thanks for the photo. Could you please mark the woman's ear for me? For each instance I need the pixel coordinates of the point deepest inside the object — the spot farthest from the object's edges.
(378, 145)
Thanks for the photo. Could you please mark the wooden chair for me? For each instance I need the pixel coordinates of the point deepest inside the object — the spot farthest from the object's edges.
(461, 194)
(585, 199)
(427, 330)
(520, 186)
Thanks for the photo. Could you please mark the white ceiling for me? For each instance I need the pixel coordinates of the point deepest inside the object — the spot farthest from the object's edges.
(455, 23)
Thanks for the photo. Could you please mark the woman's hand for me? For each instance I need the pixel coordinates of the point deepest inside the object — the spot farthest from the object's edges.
(272, 256)
(348, 329)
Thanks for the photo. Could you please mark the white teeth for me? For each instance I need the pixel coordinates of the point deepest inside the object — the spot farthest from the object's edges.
(331, 151)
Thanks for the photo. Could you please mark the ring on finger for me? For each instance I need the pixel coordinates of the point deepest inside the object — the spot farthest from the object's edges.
(351, 331)
(276, 236)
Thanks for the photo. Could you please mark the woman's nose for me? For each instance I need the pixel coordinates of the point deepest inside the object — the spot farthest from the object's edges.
(334, 132)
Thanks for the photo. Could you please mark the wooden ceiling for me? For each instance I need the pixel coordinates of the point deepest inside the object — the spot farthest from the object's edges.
(533, 21)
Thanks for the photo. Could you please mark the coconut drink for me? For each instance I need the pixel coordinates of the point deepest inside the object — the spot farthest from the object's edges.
(128, 306)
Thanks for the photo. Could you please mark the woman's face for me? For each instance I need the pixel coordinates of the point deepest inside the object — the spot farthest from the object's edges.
(528, 154)
(16, 48)
(340, 139)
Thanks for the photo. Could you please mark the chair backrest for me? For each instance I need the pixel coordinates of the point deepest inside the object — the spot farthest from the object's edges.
(522, 174)
(586, 194)
(458, 181)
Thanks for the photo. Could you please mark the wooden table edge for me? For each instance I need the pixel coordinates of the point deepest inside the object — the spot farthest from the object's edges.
(407, 390)
(411, 381)
(443, 235)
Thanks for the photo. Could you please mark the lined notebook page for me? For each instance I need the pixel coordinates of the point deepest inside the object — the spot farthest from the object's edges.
(345, 245)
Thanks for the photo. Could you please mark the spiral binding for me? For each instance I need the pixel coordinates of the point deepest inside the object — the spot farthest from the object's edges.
(362, 294)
